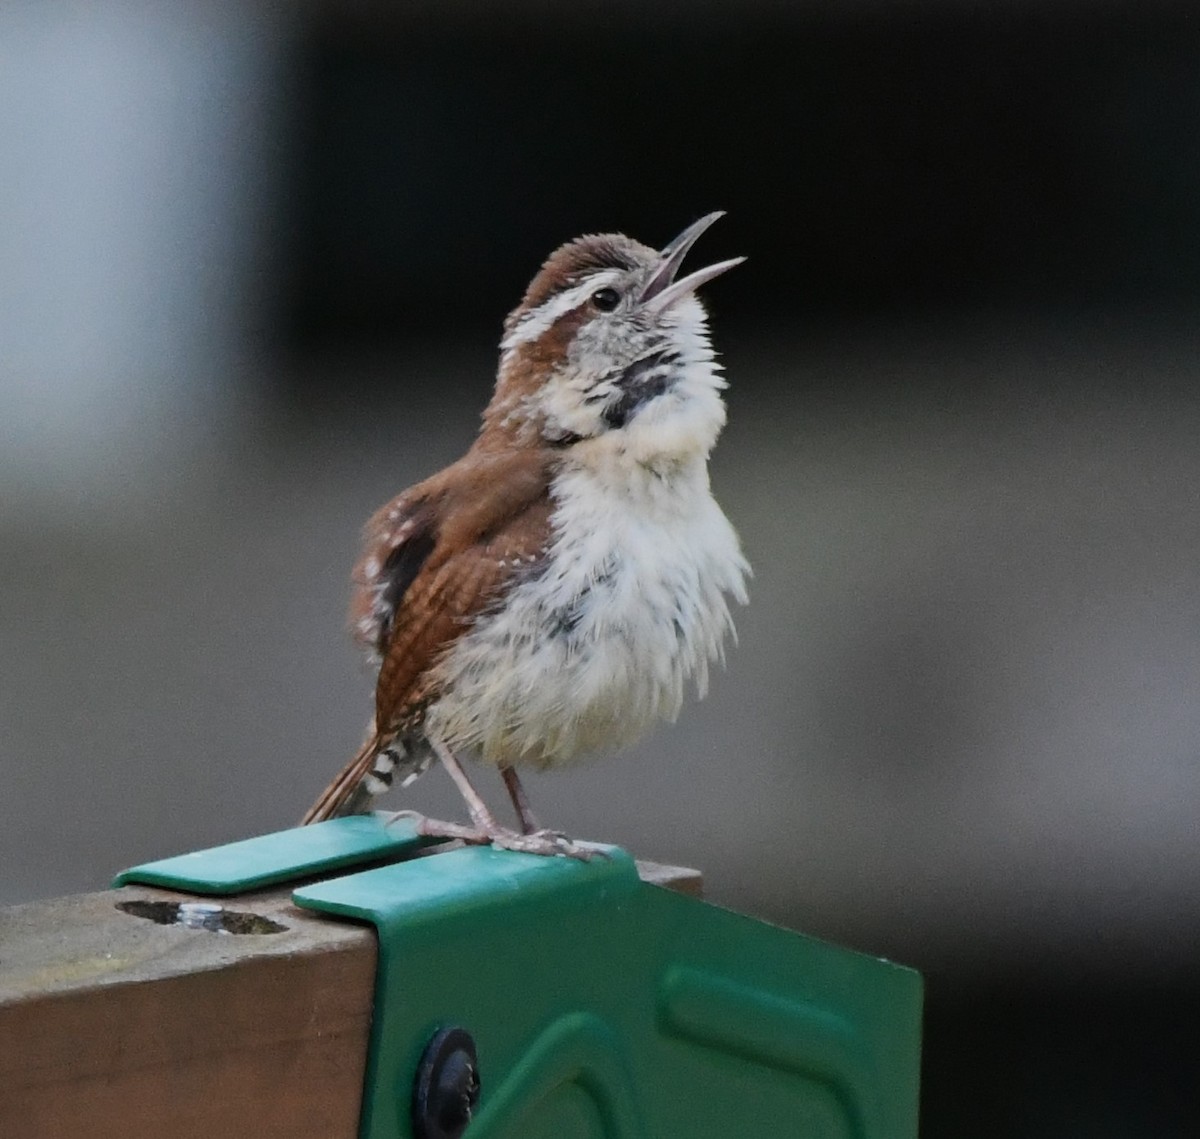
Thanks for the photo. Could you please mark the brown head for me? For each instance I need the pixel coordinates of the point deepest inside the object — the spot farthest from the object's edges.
(606, 337)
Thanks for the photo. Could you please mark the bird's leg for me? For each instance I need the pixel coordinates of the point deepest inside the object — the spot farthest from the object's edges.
(533, 831)
(484, 827)
(529, 823)
(483, 818)
(520, 801)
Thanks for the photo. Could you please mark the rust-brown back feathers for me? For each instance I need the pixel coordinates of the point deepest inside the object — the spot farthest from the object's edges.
(434, 558)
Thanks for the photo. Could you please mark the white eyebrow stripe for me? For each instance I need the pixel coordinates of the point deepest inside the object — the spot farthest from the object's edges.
(534, 323)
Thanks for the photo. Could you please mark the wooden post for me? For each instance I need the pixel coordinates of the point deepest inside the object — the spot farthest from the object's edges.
(112, 1024)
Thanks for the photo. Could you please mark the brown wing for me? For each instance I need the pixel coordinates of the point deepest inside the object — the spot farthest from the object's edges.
(491, 516)
(434, 559)
(397, 542)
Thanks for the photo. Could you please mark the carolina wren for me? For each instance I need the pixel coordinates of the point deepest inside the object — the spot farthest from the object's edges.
(551, 592)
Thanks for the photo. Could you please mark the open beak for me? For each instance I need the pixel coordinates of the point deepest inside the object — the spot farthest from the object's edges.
(662, 290)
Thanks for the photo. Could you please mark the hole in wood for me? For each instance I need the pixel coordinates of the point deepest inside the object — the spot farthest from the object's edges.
(201, 915)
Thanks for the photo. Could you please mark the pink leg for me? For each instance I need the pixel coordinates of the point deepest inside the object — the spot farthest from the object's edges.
(484, 828)
(520, 801)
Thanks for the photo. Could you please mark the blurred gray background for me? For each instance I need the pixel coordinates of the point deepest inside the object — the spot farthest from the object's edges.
(253, 263)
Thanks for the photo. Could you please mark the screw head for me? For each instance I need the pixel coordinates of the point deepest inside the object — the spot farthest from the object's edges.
(446, 1089)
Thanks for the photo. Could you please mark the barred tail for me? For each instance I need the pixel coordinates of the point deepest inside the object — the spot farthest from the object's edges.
(367, 776)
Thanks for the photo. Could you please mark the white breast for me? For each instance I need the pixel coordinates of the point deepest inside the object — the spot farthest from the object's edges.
(601, 643)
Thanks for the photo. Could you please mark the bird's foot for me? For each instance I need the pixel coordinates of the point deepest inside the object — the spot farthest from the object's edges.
(548, 843)
(543, 842)
(438, 828)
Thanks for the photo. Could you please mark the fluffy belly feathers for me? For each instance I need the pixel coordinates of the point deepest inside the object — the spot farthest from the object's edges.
(602, 641)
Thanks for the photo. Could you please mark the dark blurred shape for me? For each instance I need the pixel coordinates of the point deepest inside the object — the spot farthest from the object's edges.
(903, 158)
(1109, 1060)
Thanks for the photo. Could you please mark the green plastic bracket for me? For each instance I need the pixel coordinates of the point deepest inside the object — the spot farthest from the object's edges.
(283, 856)
(601, 1006)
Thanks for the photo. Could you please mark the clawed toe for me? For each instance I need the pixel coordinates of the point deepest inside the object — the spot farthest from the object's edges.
(438, 828)
(540, 842)
(547, 843)
(543, 842)
(414, 817)
(548, 836)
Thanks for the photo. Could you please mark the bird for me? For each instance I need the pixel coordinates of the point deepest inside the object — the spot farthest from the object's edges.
(553, 593)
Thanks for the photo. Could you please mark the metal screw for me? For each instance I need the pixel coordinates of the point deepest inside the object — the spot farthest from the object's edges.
(446, 1090)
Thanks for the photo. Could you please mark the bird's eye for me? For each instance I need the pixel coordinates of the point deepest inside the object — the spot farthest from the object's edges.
(606, 299)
